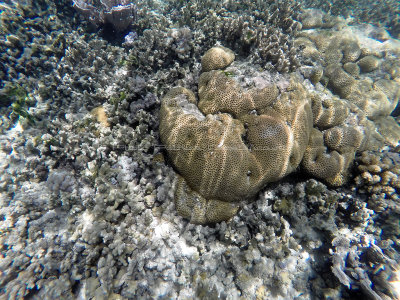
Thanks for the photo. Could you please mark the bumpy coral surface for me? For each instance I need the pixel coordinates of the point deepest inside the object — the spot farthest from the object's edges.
(87, 210)
(355, 69)
(384, 13)
(379, 178)
(234, 139)
(217, 58)
(363, 74)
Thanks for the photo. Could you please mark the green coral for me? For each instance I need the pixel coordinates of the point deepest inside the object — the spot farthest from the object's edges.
(115, 100)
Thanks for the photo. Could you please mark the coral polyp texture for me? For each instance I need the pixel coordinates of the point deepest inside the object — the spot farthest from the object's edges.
(379, 178)
(237, 137)
(217, 58)
(87, 208)
(357, 68)
(233, 141)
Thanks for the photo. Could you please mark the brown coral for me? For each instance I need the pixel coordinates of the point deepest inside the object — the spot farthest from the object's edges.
(328, 112)
(193, 206)
(219, 93)
(368, 63)
(232, 141)
(346, 67)
(345, 138)
(119, 13)
(217, 58)
(379, 177)
(226, 153)
(328, 165)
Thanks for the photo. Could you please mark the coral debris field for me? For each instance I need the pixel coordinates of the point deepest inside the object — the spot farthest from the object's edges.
(95, 201)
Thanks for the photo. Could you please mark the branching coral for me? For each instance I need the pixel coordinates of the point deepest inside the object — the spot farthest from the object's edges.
(262, 29)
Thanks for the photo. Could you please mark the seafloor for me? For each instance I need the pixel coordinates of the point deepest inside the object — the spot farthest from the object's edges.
(86, 188)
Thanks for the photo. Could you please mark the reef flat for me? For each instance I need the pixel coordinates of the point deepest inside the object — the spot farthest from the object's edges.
(89, 185)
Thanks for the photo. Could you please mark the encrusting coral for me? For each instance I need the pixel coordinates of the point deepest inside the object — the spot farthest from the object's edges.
(353, 70)
(238, 141)
(234, 139)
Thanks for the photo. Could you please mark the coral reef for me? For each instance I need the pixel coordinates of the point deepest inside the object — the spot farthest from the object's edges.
(31, 40)
(384, 14)
(379, 179)
(236, 141)
(120, 14)
(86, 191)
(231, 142)
(262, 30)
(217, 58)
(354, 66)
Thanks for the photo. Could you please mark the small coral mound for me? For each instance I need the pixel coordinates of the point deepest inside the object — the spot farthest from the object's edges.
(379, 177)
(245, 131)
(217, 58)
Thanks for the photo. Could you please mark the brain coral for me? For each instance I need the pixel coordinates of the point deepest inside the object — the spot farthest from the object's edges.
(217, 58)
(238, 136)
(229, 153)
(355, 69)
